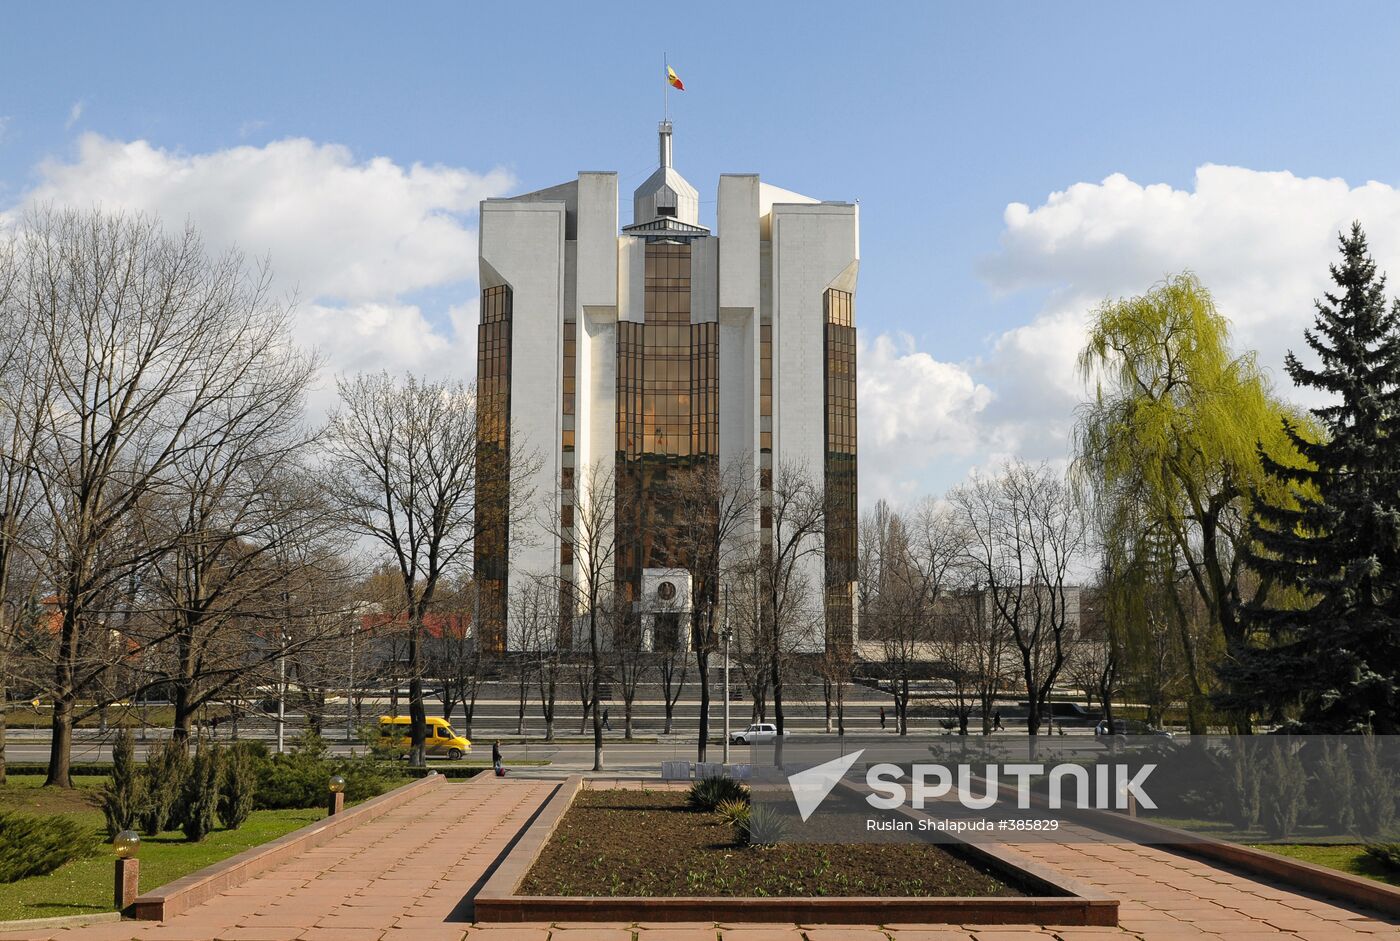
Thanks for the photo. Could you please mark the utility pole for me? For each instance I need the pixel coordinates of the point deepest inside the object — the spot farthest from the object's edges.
(726, 634)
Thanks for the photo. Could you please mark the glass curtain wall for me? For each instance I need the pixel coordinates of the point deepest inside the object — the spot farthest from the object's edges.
(492, 467)
(840, 470)
(667, 416)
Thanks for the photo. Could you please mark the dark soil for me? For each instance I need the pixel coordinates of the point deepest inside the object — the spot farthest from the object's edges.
(648, 843)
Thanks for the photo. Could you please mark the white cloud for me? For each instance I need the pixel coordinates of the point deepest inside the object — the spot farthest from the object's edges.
(914, 411)
(333, 226)
(364, 239)
(354, 238)
(1261, 241)
(74, 114)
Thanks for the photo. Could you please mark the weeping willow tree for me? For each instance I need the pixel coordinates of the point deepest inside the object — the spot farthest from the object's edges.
(1154, 618)
(1169, 442)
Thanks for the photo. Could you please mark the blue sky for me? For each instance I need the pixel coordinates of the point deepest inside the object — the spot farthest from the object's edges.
(935, 116)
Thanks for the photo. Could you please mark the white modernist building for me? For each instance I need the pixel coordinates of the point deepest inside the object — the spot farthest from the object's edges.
(635, 354)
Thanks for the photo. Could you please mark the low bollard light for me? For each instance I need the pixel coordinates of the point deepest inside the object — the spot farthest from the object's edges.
(337, 798)
(127, 879)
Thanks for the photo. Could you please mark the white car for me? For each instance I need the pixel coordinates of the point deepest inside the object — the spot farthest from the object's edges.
(756, 732)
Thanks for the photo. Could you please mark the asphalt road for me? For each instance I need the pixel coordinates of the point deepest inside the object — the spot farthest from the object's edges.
(619, 755)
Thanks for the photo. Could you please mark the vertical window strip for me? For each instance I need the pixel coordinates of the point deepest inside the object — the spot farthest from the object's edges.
(840, 464)
(492, 536)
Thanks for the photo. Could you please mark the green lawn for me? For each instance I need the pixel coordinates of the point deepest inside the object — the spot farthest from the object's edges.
(1344, 857)
(85, 886)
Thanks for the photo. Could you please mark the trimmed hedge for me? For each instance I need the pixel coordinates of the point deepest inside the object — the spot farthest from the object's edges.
(299, 777)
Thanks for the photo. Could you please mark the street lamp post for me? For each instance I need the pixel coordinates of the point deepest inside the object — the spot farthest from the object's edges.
(281, 690)
(727, 635)
(350, 689)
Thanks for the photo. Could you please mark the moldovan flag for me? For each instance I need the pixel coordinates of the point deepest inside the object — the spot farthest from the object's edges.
(673, 79)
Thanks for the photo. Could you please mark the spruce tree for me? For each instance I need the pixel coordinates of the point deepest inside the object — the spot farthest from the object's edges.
(1336, 654)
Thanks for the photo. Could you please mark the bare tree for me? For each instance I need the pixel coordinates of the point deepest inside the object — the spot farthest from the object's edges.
(1093, 657)
(976, 644)
(581, 667)
(786, 587)
(834, 670)
(750, 650)
(673, 670)
(535, 615)
(716, 509)
(459, 666)
(1026, 533)
(592, 539)
(969, 647)
(911, 560)
(153, 347)
(403, 458)
(629, 654)
(25, 386)
(234, 513)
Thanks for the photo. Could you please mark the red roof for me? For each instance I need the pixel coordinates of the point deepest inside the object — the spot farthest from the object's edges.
(434, 625)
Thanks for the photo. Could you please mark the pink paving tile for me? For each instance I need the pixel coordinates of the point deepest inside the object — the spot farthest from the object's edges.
(361, 918)
(422, 922)
(762, 933)
(437, 933)
(190, 931)
(260, 934)
(511, 933)
(115, 931)
(342, 934)
(844, 933)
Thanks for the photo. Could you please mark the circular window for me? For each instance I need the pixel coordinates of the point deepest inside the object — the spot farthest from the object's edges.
(666, 591)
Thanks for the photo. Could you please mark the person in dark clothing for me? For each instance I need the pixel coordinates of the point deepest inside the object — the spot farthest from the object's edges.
(606, 724)
(996, 722)
(496, 759)
(882, 717)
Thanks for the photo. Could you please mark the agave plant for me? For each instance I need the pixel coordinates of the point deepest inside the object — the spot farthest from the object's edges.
(708, 793)
(762, 827)
(733, 812)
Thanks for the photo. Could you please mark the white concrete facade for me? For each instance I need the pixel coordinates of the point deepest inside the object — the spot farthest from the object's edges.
(567, 261)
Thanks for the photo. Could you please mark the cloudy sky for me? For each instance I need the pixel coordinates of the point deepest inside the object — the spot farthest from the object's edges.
(1015, 165)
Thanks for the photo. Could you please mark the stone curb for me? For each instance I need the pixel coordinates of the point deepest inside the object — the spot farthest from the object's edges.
(59, 921)
(172, 898)
(1297, 873)
(1309, 877)
(1069, 902)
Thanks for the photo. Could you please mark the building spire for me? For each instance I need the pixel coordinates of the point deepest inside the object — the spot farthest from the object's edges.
(664, 134)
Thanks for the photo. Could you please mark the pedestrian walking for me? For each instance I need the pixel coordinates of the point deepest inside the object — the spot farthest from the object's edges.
(882, 717)
(606, 724)
(496, 759)
(996, 722)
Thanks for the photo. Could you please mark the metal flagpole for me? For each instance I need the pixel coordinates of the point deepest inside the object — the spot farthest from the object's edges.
(665, 88)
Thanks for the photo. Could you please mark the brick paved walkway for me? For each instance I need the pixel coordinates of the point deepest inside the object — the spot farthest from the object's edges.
(408, 876)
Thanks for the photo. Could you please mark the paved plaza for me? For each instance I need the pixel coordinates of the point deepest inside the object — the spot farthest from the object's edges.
(410, 875)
